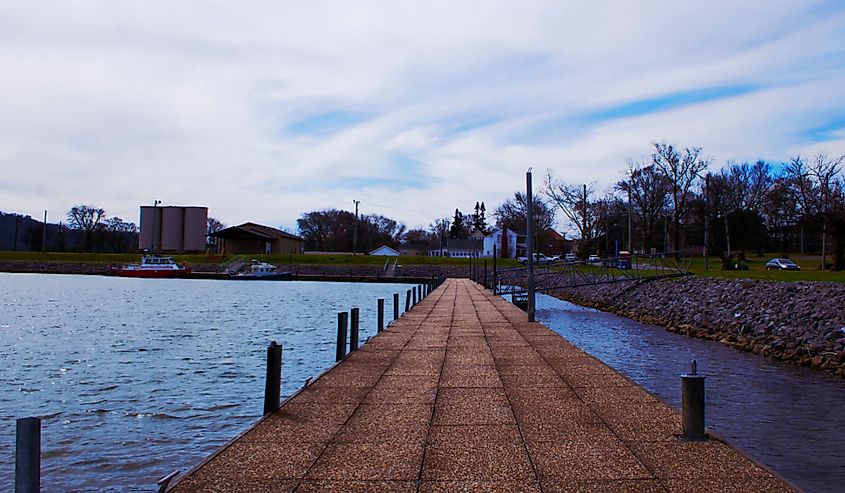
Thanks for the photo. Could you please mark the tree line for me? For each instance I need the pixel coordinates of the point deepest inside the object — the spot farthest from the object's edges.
(673, 202)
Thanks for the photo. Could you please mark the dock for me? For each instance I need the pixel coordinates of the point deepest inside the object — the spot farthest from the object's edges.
(463, 394)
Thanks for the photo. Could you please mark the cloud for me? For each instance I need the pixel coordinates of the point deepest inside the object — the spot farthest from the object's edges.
(265, 110)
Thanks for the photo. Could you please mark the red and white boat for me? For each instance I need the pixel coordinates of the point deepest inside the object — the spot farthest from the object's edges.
(152, 266)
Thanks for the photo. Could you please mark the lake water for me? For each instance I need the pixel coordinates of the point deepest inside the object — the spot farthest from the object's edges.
(791, 419)
(134, 378)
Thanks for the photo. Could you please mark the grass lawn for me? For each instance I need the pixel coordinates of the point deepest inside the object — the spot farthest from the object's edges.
(297, 259)
(757, 270)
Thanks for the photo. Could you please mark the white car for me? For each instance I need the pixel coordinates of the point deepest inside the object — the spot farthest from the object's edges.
(593, 259)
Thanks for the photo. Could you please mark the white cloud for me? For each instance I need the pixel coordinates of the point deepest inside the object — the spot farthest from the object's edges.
(200, 103)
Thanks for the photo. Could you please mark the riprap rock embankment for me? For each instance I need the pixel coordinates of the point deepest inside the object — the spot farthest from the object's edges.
(800, 322)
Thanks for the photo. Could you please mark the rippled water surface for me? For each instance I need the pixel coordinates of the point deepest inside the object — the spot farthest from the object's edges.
(789, 418)
(135, 378)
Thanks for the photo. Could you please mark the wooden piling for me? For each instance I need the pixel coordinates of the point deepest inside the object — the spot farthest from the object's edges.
(380, 324)
(28, 455)
(353, 330)
(395, 306)
(342, 320)
(273, 382)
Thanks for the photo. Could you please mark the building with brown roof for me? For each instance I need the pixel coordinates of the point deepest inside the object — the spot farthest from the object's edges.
(255, 238)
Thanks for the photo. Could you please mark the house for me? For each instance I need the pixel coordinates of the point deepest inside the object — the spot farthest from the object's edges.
(459, 248)
(505, 241)
(385, 251)
(255, 238)
(414, 249)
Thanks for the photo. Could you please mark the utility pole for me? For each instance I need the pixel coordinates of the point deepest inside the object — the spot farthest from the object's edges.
(629, 219)
(44, 234)
(529, 241)
(355, 233)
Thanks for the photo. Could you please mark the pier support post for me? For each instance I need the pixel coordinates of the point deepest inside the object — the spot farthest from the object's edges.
(273, 382)
(380, 324)
(353, 330)
(342, 320)
(692, 399)
(395, 306)
(485, 274)
(407, 300)
(28, 455)
(494, 269)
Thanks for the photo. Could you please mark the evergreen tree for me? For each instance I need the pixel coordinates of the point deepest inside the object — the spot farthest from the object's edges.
(458, 229)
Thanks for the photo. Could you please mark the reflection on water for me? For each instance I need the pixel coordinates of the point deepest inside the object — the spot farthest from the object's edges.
(789, 418)
(134, 378)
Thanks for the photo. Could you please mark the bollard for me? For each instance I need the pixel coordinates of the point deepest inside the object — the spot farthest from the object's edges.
(415, 298)
(485, 274)
(692, 399)
(273, 382)
(407, 299)
(395, 306)
(28, 455)
(380, 325)
(353, 331)
(342, 319)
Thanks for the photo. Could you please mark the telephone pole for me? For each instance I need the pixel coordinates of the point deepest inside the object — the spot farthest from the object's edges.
(355, 233)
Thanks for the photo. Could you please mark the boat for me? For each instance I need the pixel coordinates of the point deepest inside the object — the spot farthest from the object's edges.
(260, 271)
(152, 266)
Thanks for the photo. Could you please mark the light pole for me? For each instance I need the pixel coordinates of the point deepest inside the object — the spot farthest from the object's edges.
(529, 242)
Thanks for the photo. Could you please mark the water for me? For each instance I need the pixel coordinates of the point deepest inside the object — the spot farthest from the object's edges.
(134, 378)
(789, 418)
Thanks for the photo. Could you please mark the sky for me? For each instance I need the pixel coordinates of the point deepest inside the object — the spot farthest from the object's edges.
(264, 110)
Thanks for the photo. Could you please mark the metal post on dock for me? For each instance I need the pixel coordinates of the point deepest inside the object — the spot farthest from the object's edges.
(273, 382)
(353, 330)
(28, 455)
(407, 300)
(529, 242)
(494, 269)
(395, 306)
(692, 399)
(342, 320)
(485, 274)
(380, 325)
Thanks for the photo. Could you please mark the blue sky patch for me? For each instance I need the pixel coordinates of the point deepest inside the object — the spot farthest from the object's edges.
(328, 123)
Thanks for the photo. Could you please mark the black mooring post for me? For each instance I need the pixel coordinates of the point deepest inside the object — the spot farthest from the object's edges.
(353, 330)
(273, 382)
(692, 399)
(28, 455)
(342, 320)
(485, 274)
(395, 306)
(380, 325)
(494, 269)
(407, 300)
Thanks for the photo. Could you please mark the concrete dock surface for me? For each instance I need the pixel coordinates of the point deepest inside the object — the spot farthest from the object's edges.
(463, 394)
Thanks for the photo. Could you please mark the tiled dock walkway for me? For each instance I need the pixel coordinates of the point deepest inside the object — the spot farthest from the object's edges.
(462, 394)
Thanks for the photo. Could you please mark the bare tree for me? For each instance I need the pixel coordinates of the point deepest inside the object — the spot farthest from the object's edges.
(578, 206)
(681, 169)
(820, 189)
(649, 192)
(86, 218)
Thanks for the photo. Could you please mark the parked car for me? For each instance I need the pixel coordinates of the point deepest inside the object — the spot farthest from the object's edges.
(781, 264)
(539, 259)
(570, 258)
(593, 259)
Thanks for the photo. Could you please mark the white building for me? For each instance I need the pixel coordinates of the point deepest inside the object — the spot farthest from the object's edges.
(505, 241)
(386, 251)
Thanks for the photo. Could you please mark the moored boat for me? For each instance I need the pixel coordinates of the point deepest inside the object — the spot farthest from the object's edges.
(261, 271)
(152, 266)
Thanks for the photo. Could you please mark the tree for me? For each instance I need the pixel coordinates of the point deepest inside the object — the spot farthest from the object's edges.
(120, 234)
(681, 169)
(213, 225)
(820, 190)
(649, 193)
(577, 204)
(86, 218)
(332, 230)
(479, 221)
(459, 229)
(440, 230)
(512, 215)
